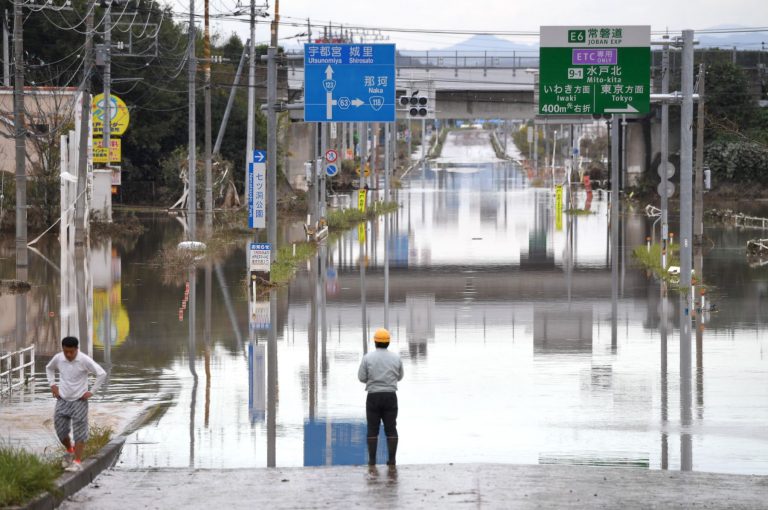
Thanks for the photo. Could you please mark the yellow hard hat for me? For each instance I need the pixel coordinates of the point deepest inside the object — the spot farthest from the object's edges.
(381, 335)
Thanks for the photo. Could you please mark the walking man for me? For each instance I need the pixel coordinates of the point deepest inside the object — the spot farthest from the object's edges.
(380, 370)
(72, 394)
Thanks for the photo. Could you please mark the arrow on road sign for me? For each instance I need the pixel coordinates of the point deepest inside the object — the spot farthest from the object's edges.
(628, 109)
(328, 72)
(358, 102)
(258, 156)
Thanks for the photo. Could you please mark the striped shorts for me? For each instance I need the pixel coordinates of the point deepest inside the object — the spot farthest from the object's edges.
(76, 412)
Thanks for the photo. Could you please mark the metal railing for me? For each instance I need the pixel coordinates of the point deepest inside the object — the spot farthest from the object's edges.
(437, 59)
(743, 221)
(13, 369)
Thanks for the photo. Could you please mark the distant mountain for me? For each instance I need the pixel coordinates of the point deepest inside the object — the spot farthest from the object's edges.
(491, 43)
(479, 43)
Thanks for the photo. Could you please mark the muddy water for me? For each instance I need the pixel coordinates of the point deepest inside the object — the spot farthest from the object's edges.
(499, 306)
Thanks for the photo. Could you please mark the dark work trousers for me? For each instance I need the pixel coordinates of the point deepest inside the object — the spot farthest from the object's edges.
(381, 407)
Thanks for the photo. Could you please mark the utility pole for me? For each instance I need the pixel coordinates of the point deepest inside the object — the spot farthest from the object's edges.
(85, 113)
(21, 147)
(192, 158)
(664, 154)
(686, 177)
(107, 124)
(698, 203)
(272, 137)
(251, 122)
(207, 135)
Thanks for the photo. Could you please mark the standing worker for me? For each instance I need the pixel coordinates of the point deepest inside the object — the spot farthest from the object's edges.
(380, 370)
(72, 396)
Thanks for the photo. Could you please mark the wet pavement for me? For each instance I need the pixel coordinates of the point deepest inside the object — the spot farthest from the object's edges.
(421, 486)
(499, 303)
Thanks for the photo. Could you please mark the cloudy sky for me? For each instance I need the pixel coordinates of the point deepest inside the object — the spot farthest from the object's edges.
(427, 17)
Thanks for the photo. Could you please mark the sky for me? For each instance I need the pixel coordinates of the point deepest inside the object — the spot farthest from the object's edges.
(488, 15)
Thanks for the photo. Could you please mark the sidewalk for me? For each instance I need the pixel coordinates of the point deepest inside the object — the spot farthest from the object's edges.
(421, 486)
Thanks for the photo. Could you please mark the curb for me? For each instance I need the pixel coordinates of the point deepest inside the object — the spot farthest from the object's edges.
(70, 483)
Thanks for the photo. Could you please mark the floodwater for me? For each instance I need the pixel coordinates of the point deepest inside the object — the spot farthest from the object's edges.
(500, 307)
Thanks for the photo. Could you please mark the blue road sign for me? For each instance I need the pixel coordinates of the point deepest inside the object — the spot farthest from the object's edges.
(331, 170)
(259, 156)
(349, 82)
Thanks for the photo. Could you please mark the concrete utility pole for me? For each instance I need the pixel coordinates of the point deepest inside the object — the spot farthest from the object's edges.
(21, 148)
(664, 154)
(107, 124)
(192, 157)
(698, 203)
(207, 135)
(251, 122)
(686, 177)
(85, 113)
(272, 139)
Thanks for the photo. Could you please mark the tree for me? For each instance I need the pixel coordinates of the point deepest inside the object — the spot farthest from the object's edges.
(730, 108)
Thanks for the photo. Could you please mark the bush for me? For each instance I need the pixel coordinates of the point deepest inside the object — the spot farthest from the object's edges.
(738, 161)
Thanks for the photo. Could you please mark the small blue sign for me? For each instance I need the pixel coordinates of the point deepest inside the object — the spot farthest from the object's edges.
(259, 156)
(349, 82)
(331, 170)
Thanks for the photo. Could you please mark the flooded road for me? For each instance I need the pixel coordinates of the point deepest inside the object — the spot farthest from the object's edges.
(500, 307)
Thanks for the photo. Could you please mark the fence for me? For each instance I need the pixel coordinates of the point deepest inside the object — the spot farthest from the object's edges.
(13, 369)
(740, 220)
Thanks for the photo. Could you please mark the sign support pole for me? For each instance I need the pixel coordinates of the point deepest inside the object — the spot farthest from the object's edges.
(615, 127)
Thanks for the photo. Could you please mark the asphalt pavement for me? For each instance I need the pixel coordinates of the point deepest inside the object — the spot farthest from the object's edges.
(421, 486)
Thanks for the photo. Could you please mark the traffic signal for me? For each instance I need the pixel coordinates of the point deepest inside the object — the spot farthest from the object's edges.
(415, 105)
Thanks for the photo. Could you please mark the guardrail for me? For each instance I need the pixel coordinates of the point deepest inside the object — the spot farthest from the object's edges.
(13, 369)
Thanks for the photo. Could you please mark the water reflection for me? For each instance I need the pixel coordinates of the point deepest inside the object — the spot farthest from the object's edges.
(528, 342)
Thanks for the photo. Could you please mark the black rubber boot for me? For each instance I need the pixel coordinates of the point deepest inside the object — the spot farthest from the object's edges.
(372, 445)
(392, 449)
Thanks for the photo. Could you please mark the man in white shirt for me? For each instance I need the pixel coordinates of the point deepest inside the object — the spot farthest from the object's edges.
(72, 396)
(380, 370)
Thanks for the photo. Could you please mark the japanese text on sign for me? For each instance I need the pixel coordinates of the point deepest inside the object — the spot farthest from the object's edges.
(594, 70)
(260, 257)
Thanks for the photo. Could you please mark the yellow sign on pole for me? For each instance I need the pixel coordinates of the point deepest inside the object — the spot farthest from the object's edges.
(100, 153)
(118, 113)
(361, 200)
(361, 227)
(559, 207)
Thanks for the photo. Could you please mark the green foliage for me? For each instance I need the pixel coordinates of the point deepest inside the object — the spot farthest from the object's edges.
(651, 259)
(738, 161)
(286, 262)
(98, 437)
(24, 475)
(730, 107)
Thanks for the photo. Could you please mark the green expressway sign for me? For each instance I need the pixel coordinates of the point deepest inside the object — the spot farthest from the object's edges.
(594, 70)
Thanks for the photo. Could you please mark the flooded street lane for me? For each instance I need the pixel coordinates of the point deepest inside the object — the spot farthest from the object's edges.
(500, 308)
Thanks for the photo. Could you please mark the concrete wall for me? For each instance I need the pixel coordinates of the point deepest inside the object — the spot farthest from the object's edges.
(299, 150)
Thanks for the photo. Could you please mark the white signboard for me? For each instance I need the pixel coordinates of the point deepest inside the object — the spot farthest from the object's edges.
(257, 187)
(259, 257)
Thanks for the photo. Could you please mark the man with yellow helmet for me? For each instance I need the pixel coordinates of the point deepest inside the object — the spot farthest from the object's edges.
(380, 370)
